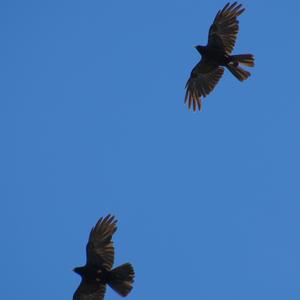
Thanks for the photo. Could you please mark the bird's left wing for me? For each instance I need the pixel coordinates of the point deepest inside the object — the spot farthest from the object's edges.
(223, 32)
(90, 291)
(202, 81)
(100, 248)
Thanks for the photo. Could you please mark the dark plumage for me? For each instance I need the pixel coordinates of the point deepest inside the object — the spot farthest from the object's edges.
(216, 55)
(98, 269)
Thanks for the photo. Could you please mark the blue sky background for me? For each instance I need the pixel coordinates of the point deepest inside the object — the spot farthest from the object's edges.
(92, 121)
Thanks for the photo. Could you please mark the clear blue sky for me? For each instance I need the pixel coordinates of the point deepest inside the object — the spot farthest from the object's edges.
(92, 121)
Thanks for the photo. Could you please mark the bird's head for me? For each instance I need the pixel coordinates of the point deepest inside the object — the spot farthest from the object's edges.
(78, 270)
(200, 49)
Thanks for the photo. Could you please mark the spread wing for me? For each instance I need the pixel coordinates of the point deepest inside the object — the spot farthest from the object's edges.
(202, 81)
(223, 32)
(89, 291)
(100, 248)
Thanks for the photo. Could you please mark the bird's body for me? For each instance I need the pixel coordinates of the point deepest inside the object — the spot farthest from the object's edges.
(216, 55)
(93, 273)
(213, 55)
(98, 272)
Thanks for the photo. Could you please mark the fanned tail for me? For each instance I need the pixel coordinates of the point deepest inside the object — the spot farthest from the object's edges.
(121, 279)
(243, 59)
(236, 70)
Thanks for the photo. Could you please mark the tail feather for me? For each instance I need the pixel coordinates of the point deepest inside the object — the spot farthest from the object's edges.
(243, 59)
(121, 279)
(238, 72)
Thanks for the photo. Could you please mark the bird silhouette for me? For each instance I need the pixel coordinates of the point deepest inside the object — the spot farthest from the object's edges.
(216, 55)
(98, 272)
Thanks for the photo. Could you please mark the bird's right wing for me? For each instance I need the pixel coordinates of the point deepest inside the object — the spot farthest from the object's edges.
(90, 291)
(100, 248)
(223, 32)
(202, 81)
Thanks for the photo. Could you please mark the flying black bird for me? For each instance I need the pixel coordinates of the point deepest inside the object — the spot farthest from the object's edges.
(98, 271)
(216, 55)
